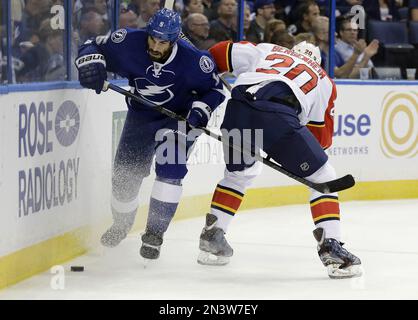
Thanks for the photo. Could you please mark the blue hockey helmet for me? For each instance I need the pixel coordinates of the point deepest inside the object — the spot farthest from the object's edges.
(165, 24)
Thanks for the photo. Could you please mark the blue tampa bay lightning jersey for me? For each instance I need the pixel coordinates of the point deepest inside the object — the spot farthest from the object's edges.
(188, 74)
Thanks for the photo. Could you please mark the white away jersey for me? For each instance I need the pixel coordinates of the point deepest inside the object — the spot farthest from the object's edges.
(264, 63)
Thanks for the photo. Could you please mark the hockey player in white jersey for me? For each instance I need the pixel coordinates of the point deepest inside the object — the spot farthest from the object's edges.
(290, 97)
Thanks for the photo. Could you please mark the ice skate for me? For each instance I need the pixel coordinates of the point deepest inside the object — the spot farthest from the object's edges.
(214, 249)
(151, 245)
(114, 235)
(339, 262)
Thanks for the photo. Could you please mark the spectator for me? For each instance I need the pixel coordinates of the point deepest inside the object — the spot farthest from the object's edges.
(273, 26)
(281, 10)
(44, 61)
(196, 29)
(192, 6)
(289, 9)
(18, 34)
(81, 6)
(306, 12)
(305, 36)
(349, 44)
(349, 3)
(323, 7)
(356, 53)
(34, 13)
(413, 7)
(101, 7)
(284, 39)
(320, 29)
(384, 10)
(3, 53)
(209, 10)
(265, 11)
(128, 19)
(91, 25)
(147, 9)
(54, 68)
(16, 11)
(344, 6)
(135, 6)
(414, 12)
(29, 66)
(223, 28)
(247, 21)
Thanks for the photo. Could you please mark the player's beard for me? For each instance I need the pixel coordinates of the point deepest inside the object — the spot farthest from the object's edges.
(158, 56)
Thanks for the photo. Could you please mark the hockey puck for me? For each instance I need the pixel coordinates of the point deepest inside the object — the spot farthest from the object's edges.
(77, 268)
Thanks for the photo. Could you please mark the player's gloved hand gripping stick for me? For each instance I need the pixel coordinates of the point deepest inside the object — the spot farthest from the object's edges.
(326, 187)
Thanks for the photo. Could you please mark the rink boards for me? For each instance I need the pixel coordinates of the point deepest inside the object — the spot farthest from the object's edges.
(57, 146)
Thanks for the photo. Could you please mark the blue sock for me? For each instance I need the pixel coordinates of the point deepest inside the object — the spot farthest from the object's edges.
(165, 197)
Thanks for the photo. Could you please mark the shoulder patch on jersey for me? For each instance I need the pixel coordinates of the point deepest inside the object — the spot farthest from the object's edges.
(206, 64)
(119, 35)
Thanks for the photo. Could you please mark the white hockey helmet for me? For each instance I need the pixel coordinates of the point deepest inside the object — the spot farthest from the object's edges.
(309, 50)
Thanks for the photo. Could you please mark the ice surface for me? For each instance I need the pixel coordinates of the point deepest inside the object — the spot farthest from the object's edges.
(275, 258)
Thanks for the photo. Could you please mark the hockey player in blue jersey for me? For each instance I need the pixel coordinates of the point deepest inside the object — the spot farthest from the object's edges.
(164, 70)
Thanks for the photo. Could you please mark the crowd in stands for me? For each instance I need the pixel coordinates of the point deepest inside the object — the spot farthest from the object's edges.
(38, 47)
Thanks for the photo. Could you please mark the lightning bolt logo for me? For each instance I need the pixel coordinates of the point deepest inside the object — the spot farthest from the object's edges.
(155, 91)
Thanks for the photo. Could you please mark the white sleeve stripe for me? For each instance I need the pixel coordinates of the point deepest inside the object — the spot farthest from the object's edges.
(90, 58)
(202, 106)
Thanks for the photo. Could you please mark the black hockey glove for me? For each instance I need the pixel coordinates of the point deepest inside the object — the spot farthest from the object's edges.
(92, 71)
(199, 114)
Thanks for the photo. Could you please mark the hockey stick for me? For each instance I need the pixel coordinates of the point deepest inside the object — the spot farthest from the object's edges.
(325, 187)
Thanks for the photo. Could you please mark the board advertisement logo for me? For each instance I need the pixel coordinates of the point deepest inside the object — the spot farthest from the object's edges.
(399, 125)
